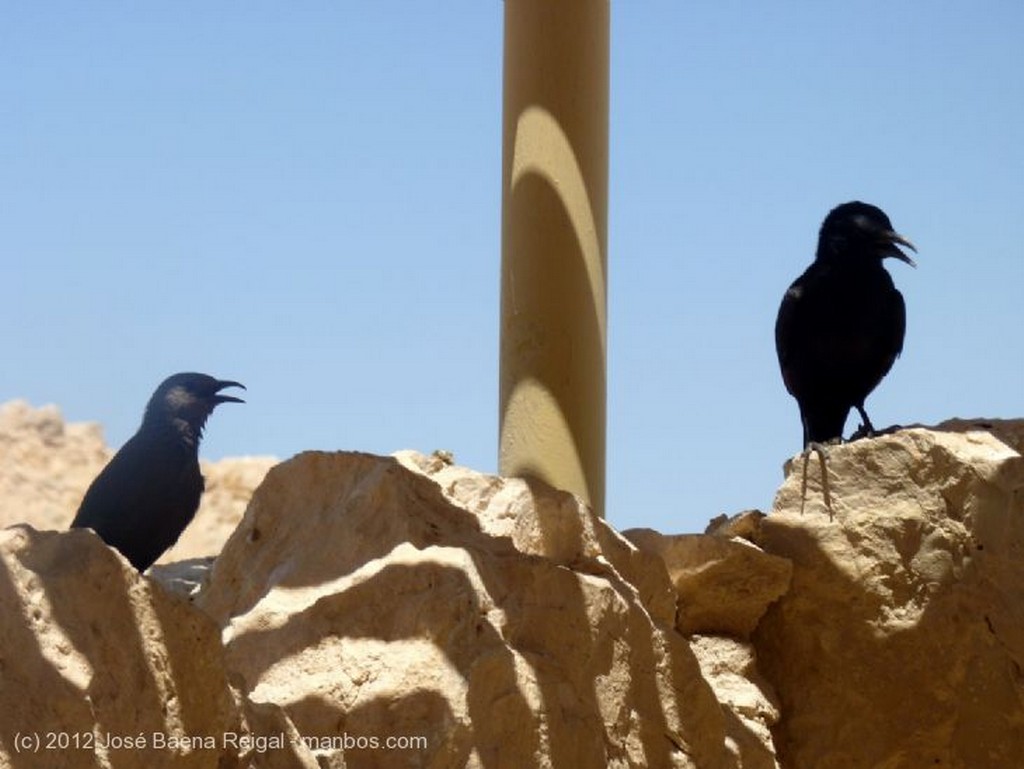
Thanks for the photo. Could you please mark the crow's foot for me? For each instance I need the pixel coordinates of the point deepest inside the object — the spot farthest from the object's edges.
(821, 450)
(868, 431)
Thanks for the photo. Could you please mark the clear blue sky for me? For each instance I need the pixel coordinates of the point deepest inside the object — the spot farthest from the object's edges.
(306, 197)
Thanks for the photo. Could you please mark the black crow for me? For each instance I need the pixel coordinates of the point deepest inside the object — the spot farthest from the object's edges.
(149, 492)
(841, 327)
(841, 323)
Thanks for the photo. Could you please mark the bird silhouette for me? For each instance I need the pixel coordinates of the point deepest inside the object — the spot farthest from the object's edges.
(149, 492)
(840, 327)
(841, 323)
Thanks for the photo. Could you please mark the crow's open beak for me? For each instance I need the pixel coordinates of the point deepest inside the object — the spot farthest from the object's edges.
(221, 384)
(893, 241)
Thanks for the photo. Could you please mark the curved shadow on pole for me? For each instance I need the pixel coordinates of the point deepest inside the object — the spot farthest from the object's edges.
(542, 148)
(552, 258)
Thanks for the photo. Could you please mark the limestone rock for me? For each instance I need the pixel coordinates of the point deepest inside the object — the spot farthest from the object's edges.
(724, 584)
(46, 466)
(92, 654)
(544, 521)
(382, 598)
(1009, 431)
(744, 525)
(363, 599)
(901, 641)
(751, 708)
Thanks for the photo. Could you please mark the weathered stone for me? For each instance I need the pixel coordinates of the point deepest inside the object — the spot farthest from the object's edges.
(360, 595)
(724, 585)
(102, 664)
(901, 641)
(544, 521)
(749, 702)
(1009, 431)
(364, 597)
(744, 525)
(45, 465)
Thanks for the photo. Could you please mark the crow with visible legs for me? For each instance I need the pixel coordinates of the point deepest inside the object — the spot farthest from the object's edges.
(149, 492)
(841, 325)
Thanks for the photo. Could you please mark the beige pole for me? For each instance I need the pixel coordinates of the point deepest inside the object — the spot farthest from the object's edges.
(553, 244)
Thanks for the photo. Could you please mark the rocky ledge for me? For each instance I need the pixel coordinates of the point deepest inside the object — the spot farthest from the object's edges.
(403, 611)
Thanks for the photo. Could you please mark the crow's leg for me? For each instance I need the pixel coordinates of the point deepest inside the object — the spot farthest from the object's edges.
(822, 451)
(866, 429)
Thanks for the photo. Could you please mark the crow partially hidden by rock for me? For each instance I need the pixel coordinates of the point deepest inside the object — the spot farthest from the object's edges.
(149, 492)
(841, 323)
